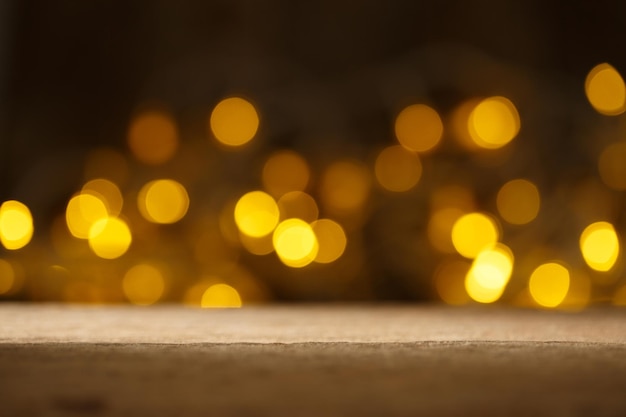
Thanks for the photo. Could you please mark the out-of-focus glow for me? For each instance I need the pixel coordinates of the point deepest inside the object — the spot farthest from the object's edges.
(7, 276)
(473, 232)
(619, 298)
(418, 128)
(220, 296)
(106, 191)
(459, 124)
(612, 167)
(599, 246)
(109, 238)
(256, 214)
(331, 239)
(518, 201)
(234, 121)
(450, 282)
(16, 225)
(285, 171)
(143, 284)
(163, 201)
(295, 243)
(494, 122)
(490, 272)
(345, 187)
(83, 210)
(257, 245)
(605, 90)
(549, 284)
(439, 228)
(397, 169)
(455, 196)
(579, 293)
(107, 163)
(153, 137)
(298, 204)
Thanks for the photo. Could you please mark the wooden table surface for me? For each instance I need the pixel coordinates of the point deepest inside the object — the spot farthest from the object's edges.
(310, 360)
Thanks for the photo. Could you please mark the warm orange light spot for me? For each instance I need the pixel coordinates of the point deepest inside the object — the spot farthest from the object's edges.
(234, 121)
(220, 296)
(494, 122)
(518, 201)
(257, 245)
(345, 187)
(109, 238)
(490, 273)
(7, 276)
(107, 192)
(549, 284)
(450, 282)
(297, 204)
(331, 239)
(16, 225)
(474, 232)
(606, 90)
(143, 284)
(397, 169)
(256, 214)
(153, 137)
(599, 246)
(295, 243)
(418, 128)
(285, 171)
(163, 201)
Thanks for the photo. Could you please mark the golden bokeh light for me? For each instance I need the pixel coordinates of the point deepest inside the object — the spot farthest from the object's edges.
(153, 137)
(606, 90)
(418, 128)
(600, 246)
(450, 282)
(110, 237)
(489, 274)
(549, 284)
(298, 204)
(234, 121)
(518, 201)
(163, 201)
(331, 240)
(473, 232)
(295, 243)
(459, 124)
(143, 284)
(107, 192)
(494, 122)
(82, 211)
(257, 245)
(7, 276)
(397, 169)
(256, 214)
(345, 187)
(439, 229)
(220, 296)
(285, 171)
(612, 167)
(16, 225)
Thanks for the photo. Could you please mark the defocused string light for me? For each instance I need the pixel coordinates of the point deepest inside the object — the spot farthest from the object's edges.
(257, 245)
(107, 192)
(449, 280)
(234, 121)
(549, 284)
(143, 284)
(331, 239)
(599, 246)
(298, 204)
(163, 201)
(110, 237)
(606, 90)
(16, 225)
(295, 243)
(345, 187)
(153, 137)
(494, 122)
(220, 296)
(418, 128)
(489, 274)
(256, 214)
(397, 169)
(285, 171)
(473, 232)
(518, 201)
(82, 211)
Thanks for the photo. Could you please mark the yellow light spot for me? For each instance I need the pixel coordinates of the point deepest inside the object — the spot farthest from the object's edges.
(473, 232)
(518, 201)
(106, 191)
(257, 245)
(143, 284)
(549, 284)
(234, 121)
(605, 90)
(256, 214)
(297, 204)
(153, 137)
(220, 296)
(16, 225)
(163, 201)
(599, 246)
(490, 273)
(331, 239)
(612, 167)
(285, 171)
(83, 210)
(106, 163)
(295, 243)
(459, 123)
(7, 276)
(418, 128)
(397, 169)
(439, 228)
(109, 238)
(450, 282)
(494, 122)
(345, 187)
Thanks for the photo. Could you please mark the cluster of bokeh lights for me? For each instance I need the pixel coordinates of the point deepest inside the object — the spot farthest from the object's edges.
(301, 215)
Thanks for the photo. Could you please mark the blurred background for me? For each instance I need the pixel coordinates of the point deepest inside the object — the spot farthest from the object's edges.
(225, 153)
